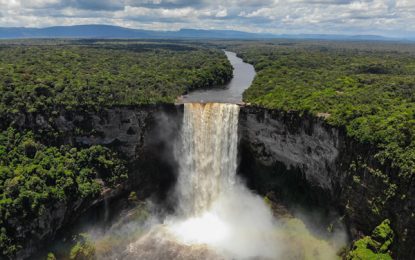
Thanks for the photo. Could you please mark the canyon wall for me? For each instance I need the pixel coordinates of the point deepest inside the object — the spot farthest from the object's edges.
(143, 136)
(298, 157)
(302, 159)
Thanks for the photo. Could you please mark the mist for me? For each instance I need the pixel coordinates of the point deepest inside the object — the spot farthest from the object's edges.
(216, 216)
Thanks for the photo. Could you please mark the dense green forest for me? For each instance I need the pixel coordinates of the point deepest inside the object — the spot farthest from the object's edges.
(46, 76)
(368, 88)
(36, 180)
(37, 77)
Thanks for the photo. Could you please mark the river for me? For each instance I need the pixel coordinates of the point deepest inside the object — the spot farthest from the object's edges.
(243, 75)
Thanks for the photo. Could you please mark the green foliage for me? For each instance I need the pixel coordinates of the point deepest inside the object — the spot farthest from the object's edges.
(50, 256)
(132, 197)
(368, 90)
(35, 180)
(374, 247)
(36, 78)
(43, 76)
(84, 249)
(383, 233)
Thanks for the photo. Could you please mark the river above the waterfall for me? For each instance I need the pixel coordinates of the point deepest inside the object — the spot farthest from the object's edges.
(243, 75)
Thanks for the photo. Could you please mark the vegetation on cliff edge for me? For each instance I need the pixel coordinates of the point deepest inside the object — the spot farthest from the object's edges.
(374, 247)
(369, 89)
(37, 182)
(36, 78)
(45, 76)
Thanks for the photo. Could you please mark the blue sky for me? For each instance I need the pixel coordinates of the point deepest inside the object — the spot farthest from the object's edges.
(382, 17)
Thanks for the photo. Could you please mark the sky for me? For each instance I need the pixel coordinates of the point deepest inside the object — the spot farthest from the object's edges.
(394, 18)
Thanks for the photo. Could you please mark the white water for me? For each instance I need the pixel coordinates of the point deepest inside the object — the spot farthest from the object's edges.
(208, 155)
(217, 216)
(214, 206)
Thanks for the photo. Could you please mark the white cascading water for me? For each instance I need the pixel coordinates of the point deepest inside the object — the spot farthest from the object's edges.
(217, 216)
(208, 155)
(215, 208)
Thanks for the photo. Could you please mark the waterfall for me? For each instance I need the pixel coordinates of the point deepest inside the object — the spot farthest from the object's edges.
(217, 216)
(207, 155)
(214, 207)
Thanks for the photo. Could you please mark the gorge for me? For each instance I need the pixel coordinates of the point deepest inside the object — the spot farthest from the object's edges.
(215, 215)
(277, 184)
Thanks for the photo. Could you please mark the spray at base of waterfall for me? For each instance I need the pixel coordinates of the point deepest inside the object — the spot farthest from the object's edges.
(217, 217)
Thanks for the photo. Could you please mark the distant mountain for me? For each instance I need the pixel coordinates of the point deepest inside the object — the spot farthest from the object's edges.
(109, 31)
(113, 32)
(230, 34)
(336, 37)
(76, 31)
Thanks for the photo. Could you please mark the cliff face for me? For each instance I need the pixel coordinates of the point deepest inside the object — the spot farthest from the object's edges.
(297, 156)
(302, 143)
(127, 129)
(144, 136)
(302, 159)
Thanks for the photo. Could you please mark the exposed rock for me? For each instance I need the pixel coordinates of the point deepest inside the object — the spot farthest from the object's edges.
(301, 143)
(127, 129)
(302, 158)
(297, 156)
(143, 135)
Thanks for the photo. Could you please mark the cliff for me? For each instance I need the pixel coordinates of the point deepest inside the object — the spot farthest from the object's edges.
(303, 159)
(142, 135)
(298, 157)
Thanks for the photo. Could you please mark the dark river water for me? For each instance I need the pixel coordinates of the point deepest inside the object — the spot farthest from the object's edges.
(243, 74)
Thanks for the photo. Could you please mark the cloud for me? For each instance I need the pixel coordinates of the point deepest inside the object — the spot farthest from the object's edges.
(96, 4)
(165, 3)
(385, 17)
